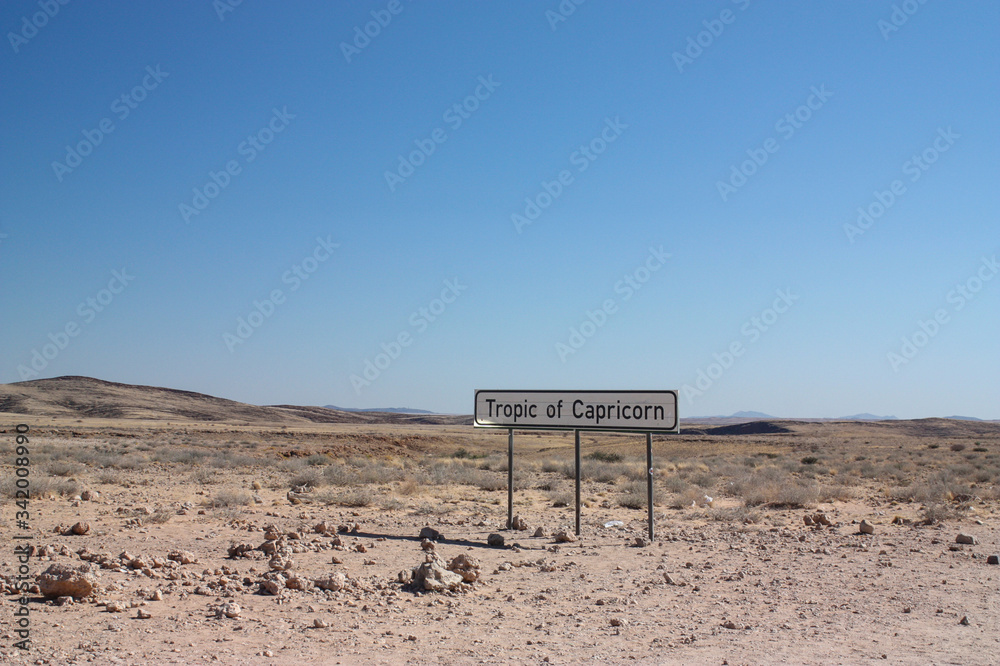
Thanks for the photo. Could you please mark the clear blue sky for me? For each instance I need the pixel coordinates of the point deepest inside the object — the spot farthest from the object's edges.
(638, 132)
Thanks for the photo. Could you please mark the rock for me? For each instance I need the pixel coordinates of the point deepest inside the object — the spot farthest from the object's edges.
(729, 624)
(405, 577)
(230, 609)
(641, 542)
(281, 563)
(90, 495)
(273, 583)
(433, 576)
(465, 566)
(539, 532)
(822, 519)
(993, 559)
(63, 580)
(256, 485)
(240, 550)
(142, 615)
(320, 624)
(187, 557)
(427, 544)
(866, 527)
(302, 496)
(564, 535)
(966, 539)
(808, 520)
(116, 606)
(519, 523)
(297, 582)
(964, 621)
(671, 580)
(430, 533)
(325, 528)
(333, 582)
(495, 540)
(616, 622)
(157, 595)
(80, 528)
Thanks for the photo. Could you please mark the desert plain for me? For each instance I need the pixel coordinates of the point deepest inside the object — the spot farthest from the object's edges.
(183, 529)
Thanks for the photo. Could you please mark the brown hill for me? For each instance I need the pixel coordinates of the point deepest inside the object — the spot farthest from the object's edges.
(86, 397)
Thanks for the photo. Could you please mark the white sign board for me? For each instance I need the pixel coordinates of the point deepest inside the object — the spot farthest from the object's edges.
(643, 411)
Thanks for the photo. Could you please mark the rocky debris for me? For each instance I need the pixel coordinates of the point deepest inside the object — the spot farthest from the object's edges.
(993, 559)
(80, 528)
(273, 583)
(90, 495)
(272, 533)
(519, 523)
(564, 535)
(822, 519)
(433, 576)
(430, 533)
(325, 528)
(240, 550)
(184, 556)
(116, 606)
(333, 582)
(866, 528)
(281, 563)
(230, 609)
(64, 580)
(966, 539)
(540, 532)
(349, 528)
(300, 495)
(466, 566)
(495, 540)
(297, 582)
(671, 579)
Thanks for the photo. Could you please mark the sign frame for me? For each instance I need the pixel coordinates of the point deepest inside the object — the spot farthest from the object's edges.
(595, 428)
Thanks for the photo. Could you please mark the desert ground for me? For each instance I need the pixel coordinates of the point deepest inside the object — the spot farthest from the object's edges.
(188, 542)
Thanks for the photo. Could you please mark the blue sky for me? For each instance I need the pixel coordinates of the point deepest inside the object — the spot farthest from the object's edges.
(460, 199)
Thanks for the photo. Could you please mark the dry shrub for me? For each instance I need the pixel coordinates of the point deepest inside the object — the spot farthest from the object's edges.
(409, 486)
(687, 498)
(739, 514)
(204, 477)
(770, 486)
(61, 468)
(353, 498)
(561, 498)
(634, 495)
(230, 498)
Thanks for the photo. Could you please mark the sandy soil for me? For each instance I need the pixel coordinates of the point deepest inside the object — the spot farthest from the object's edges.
(776, 591)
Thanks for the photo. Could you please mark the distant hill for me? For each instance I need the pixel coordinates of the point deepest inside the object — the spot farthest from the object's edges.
(86, 397)
(866, 417)
(388, 410)
(963, 418)
(751, 415)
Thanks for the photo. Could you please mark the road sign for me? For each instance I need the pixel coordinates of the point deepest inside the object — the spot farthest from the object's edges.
(642, 411)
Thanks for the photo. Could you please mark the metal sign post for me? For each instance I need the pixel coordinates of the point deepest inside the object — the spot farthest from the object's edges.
(609, 411)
